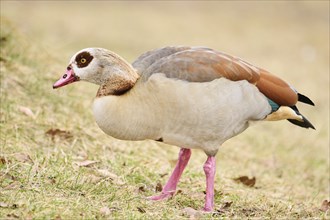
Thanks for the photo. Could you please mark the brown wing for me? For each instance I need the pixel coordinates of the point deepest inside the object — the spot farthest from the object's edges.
(276, 89)
(197, 64)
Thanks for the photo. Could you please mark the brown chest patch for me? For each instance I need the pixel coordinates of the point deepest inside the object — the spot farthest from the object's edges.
(114, 87)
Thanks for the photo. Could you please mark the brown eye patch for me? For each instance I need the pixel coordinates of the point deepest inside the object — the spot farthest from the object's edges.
(83, 59)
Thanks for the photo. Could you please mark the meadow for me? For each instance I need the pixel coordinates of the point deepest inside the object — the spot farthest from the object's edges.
(55, 163)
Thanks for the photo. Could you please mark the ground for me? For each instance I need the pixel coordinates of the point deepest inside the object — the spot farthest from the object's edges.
(55, 163)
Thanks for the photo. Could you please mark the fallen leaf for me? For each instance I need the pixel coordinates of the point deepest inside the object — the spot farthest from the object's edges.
(3, 205)
(246, 181)
(3, 160)
(12, 215)
(59, 133)
(112, 176)
(119, 182)
(23, 157)
(27, 111)
(141, 189)
(226, 205)
(191, 213)
(178, 192)
(163, 174)
(51, 179)
(113, 209)
(107, 173)
(140, 209)
(94, 179)
(325, 206)
(105, 211)
(86, 163)
(82, 155)
(159, 187)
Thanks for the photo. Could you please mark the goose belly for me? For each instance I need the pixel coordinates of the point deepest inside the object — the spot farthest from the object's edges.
(187, 114)
(124, 120)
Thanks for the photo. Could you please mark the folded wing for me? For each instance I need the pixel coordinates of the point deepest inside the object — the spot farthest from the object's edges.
(198, 64)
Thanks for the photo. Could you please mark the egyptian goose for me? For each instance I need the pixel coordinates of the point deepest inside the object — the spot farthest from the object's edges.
(191, 97)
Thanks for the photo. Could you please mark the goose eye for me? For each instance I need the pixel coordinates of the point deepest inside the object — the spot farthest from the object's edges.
(83, 59)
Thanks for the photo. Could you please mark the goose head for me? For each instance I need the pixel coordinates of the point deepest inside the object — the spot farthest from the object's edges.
(98, 66)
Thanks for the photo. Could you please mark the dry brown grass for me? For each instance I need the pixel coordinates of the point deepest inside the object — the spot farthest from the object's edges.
(291, 165)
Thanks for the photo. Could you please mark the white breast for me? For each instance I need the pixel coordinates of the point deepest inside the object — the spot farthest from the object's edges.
(186, 114)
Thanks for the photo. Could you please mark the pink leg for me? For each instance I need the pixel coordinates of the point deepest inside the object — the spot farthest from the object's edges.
(209, 169)
(170, 187)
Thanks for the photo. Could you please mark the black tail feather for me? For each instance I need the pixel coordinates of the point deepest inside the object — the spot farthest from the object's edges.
(305, 123)
(305, 99)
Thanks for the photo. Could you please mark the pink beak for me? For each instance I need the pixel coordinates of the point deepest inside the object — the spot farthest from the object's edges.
(67, 78)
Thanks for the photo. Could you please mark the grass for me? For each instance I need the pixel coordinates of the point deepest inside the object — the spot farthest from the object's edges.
(42, 175)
